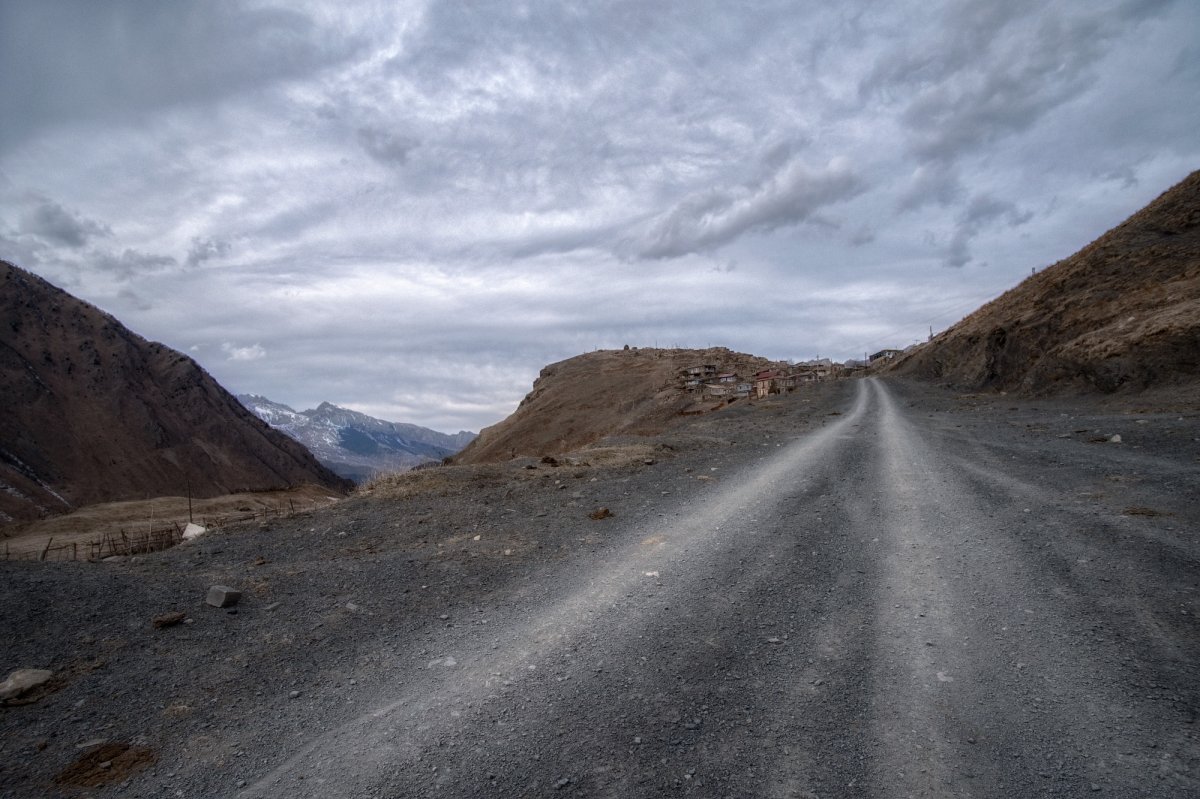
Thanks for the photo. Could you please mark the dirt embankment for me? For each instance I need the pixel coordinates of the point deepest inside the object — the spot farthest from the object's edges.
(1123, 313)
(610, 392)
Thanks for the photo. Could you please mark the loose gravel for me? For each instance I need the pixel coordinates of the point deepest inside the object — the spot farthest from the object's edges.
(859, 589)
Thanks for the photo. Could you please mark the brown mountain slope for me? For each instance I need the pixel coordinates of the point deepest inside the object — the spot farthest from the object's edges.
(94, 413)
(1122, 313)
(583, 399)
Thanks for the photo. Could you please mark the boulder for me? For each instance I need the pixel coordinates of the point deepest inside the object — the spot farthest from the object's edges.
(222, 596)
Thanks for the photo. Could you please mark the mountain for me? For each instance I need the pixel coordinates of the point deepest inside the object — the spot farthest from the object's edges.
(355, 445)
(583, 399)
(1122, 313)
(96, 413)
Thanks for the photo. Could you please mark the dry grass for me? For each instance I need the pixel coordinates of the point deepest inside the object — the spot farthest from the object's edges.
(446, 481)
(145, 525)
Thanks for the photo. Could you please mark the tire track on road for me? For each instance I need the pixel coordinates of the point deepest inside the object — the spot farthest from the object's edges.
(388, 744)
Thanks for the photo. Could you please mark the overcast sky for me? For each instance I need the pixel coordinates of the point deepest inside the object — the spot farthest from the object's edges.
(409, 208)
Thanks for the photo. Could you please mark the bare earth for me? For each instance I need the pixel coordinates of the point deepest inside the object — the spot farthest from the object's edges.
(871, 588)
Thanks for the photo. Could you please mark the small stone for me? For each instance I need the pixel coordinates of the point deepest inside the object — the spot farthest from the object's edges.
(22, 681)
(562, 783)
(273, 606)
(1114, 439)
(648, 461)
(222, 596)
(168, 619)
(294, 695)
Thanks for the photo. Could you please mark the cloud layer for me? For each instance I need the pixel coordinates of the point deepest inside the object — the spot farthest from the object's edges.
(410, 208)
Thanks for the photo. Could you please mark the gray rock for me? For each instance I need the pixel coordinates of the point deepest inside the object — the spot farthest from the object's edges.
(22, 681)
(222, 596)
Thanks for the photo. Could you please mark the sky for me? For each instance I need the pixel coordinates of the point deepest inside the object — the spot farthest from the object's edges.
(409, 208)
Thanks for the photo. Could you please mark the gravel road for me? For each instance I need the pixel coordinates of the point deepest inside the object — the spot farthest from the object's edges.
(871, 589)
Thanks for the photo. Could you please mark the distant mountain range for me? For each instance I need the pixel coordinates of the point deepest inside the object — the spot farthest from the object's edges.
(353, 444)
(93, 413)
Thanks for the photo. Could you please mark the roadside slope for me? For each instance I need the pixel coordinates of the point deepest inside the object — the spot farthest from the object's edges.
(1122, 313)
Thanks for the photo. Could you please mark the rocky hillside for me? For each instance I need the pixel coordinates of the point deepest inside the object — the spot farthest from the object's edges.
(95, 413)
(353, 444)
(1122, 313)
(609, 392)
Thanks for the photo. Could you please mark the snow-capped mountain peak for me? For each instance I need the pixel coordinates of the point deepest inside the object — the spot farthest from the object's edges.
(354, 444)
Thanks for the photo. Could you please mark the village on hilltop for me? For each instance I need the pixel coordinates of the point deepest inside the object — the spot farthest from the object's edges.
(708, 381)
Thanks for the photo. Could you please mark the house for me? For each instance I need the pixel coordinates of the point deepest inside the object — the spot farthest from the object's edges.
(727, 377)
(885, 355)
(716, 390)
(816, 369)
(764, 383)
(744, 389)
(703, 370)
(692, 383)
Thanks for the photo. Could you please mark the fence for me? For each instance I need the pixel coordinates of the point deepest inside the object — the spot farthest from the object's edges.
(149, 540)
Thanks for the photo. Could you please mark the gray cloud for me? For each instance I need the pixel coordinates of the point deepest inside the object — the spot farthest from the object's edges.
(709, 219)
(56, 225)
(935, 182)
(120, 57)
(205, 249)
(981, 211)
(410, 208)
(127, 264)
(386, 146)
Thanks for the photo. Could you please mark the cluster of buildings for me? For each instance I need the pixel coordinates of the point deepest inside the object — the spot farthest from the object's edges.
(706, 381)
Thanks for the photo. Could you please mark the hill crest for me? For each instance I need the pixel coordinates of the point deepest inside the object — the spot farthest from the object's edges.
(580, 400)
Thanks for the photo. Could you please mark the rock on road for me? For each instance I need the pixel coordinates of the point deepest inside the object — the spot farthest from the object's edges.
(886, 606)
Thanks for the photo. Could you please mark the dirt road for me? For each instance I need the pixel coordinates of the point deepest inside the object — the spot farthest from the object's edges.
(889, 605)
(862, 589)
